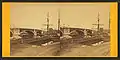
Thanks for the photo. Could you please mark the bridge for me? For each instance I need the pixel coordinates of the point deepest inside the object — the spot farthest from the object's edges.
(38, 32)
(30, 31)
(68, 30)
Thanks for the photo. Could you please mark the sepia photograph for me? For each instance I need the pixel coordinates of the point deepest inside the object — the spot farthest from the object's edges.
(60, 29)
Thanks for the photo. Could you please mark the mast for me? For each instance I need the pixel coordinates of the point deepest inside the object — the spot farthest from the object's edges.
(59, 28)
(98, 23)
(47, 22)
(58, 19)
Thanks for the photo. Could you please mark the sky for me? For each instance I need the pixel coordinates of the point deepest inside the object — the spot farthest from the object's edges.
(33, 15)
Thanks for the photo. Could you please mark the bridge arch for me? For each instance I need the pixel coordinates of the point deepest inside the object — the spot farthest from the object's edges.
(39, 33)
(89, 32)
(27, 33)
(11, 34)
(30, 33)
(77, 32)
